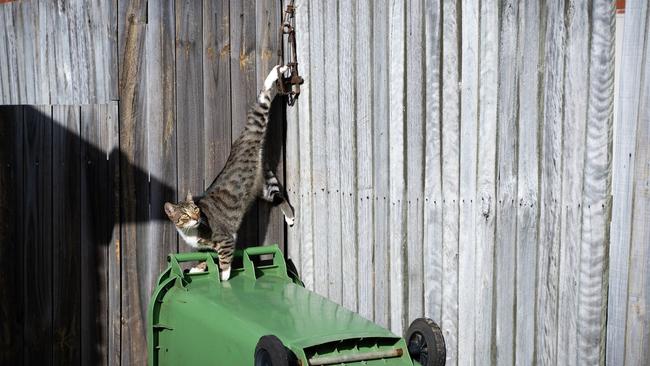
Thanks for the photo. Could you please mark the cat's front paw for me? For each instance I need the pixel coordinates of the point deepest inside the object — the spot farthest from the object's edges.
(225, 274)
(273, 76)
(196, 270)
(290, 221)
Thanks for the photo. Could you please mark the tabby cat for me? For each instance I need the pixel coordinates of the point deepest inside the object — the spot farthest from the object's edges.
(212, 221)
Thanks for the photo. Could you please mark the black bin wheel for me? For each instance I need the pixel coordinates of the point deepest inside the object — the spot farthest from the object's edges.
(271, 352)
(425, 343)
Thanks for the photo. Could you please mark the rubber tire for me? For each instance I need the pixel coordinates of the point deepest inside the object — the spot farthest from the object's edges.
(434, 340)
(273, 347)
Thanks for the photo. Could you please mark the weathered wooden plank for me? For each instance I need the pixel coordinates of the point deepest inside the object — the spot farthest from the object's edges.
(96, 229)
(470, 29)
(450, 178)
(66, 233)
(216, 87)
(397, 166)
(550, 186)
(16, 30)
(32, 59)
(348, 157)
(573, 150)
(159, 152)
(305, 212)
(10, 55)
(111, 139)
(506, 190)
(5, 72)
(332, 150)
(596, 204)
(318, 136)
(189, 100)
(83, 81)
(415, 135)
(12, 309)
(380, 172)
(293, 158)
(637, 333)
(244, 88)
(60, 56)
(527, 179)
(432, 246)
(101, 53)
(271, 226)
(37, 230)
(486, 182)
(131, 30)
(41, 54)
(131, 19)
(624, 156)
(364, 189)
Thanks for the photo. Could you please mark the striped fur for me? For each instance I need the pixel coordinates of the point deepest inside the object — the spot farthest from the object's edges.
(244, 178)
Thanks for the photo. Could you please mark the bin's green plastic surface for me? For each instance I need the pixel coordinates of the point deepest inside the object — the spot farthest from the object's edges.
(197, 319)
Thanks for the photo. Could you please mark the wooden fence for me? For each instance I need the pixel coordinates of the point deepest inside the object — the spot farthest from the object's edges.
(83, 235)
(446, 159)
(453, 159)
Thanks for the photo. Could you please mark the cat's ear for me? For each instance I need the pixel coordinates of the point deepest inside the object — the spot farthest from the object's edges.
(170, 210)
(188, 198)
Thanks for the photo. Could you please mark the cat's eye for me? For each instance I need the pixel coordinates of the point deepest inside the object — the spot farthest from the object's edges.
(196, 210)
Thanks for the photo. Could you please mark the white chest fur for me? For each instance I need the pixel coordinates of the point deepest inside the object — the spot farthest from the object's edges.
(190, 236)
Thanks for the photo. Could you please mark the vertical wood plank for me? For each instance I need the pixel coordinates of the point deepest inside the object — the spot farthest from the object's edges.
(114, 324)
(470, 29)
(292, 167)
(20, 52)
(319, 156)
(415, 135)
(305, 213)
(131, 31)
(506, 189)
(638, 325)
(433, 276)
(5, 71)
(216, 87)
(596, 203)
(396, 165)
(527, 180)
(486, 182)
(96, 231)
(243, 86)
(10, 56)
(267, 19)
(450, 179)
(380, 168)
(66, 213)
(159, 151)
(550, 186)
(347, 155)
(364, 189)
(37, 228)
(12, 310)
(573, 150)
(624, 156)
(332, 147)
(189, 100)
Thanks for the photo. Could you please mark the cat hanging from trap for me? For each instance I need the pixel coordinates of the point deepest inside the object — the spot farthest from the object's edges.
(211, 221)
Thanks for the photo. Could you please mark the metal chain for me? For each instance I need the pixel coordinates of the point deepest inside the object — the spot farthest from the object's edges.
(289, 85)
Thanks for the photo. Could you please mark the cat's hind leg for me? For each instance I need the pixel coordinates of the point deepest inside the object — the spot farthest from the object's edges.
(273, 192)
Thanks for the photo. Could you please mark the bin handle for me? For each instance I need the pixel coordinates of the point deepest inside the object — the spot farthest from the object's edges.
(278, 259)
(176, 259)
